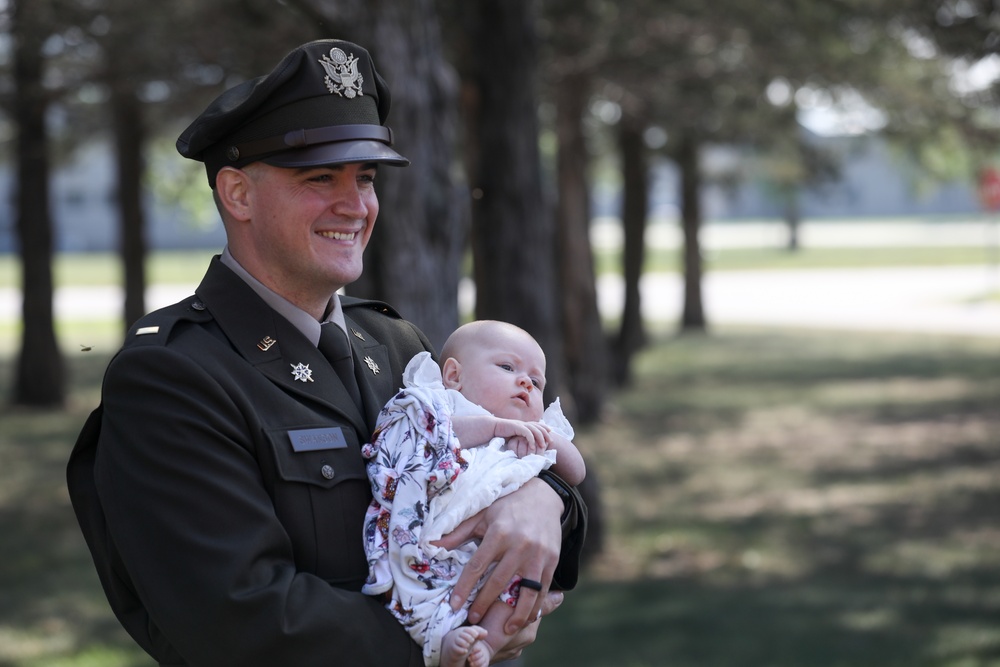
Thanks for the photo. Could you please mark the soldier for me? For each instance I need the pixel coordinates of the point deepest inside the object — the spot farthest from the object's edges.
(220, 484)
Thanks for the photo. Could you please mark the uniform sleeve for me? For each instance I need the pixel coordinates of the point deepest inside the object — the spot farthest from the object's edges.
(574, 531)
(198, 540)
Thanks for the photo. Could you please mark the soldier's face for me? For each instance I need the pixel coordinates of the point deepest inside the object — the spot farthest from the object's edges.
(311, 226)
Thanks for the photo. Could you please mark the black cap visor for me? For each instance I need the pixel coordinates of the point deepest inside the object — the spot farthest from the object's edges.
(339, 152)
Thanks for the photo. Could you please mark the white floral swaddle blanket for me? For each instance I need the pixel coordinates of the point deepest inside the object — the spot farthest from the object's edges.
(424, 484)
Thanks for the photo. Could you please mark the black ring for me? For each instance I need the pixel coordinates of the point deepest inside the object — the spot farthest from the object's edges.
(531, 583)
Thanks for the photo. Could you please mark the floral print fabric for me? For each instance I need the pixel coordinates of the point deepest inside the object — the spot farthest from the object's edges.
(424, 484)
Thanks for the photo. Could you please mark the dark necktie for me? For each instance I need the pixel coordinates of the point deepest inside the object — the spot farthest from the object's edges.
(336, 348)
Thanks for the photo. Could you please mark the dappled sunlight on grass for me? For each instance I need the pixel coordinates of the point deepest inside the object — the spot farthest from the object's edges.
(778, 499)
(795, 499)
(53, 612)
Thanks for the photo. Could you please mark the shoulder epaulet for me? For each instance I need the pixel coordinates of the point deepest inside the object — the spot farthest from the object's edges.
(370, 304)
(155, 327)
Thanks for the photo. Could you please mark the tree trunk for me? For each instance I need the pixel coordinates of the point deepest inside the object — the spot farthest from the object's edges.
(693, 317)
(415, 256)
(127, 114)
(792, 218)
(513, 231)
(635, 178)
(584, 343)
(40, 379)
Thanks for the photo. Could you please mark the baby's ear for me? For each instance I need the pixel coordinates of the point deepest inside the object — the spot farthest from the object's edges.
(451, 374)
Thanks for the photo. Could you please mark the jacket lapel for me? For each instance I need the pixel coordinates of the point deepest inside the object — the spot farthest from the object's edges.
(372, 369)
(273, 345)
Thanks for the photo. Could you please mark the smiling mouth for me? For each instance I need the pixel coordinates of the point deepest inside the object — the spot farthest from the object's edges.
(339, 236)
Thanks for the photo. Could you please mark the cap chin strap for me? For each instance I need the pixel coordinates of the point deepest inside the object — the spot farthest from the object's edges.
(303, 138)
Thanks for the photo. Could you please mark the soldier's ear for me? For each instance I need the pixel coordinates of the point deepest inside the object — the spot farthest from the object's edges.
(233, 190)
(451, 374)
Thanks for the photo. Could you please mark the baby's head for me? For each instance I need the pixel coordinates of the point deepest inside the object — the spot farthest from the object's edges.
(498, 366)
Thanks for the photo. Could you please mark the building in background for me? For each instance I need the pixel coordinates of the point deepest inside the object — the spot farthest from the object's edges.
(85, 213)
(873, 184)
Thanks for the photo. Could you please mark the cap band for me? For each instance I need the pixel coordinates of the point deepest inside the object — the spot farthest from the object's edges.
(304, 138)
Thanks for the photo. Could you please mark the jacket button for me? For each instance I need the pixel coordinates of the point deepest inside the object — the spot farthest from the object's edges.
(197, 305)
(327, 471)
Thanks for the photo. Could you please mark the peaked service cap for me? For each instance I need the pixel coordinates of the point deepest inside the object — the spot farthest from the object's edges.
(323, 104)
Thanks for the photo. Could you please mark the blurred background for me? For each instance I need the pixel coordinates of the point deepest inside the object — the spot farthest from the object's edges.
(758, 240)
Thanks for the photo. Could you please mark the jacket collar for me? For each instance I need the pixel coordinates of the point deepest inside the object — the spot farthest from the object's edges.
(280, 351)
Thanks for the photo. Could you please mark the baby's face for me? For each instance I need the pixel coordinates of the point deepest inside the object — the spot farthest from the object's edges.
(505, 375)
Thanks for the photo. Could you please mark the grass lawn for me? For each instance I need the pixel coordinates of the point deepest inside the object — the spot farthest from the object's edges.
(104, 268)
(187, 267)
(730, 259)
(795, 499)
(771, 499)
(52, 611)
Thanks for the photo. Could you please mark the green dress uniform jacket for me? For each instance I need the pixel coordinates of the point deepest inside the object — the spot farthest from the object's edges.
(221, 488)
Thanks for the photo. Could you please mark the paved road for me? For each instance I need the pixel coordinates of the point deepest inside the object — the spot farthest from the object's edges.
(943, 300)
(935, 300)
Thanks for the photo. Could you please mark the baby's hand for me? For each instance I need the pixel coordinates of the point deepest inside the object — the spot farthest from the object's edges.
(523, 438)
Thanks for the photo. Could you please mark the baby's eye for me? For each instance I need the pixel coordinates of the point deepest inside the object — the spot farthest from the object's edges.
(538, 385)
(506, 367)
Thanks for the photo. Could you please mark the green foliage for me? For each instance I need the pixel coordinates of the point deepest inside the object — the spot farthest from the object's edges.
(180, 186)
(737, 72)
